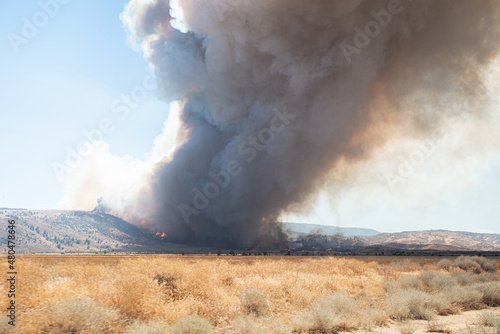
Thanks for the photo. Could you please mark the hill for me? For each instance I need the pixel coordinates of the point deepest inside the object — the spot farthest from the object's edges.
(79, 231)
(298, 229)
(438, 240)
(55, 231)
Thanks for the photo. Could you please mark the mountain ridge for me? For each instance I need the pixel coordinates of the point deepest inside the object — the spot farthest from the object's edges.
(50, 231)
(305, 228)
(453, 239)
(54, 231)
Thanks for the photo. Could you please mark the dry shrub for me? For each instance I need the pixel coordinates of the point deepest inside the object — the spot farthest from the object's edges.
(434, 326)
(435, 281)
(465, 298)
(167, 281)
(169, 285)
(445, 264)
(128, 284)
(372, 317)
(251, 324)
(192, 324)
(253, 301)
(406, 265)
(165, 289)
(443, 305)
(464, 277)
(274, 325)
(127, 299)
(390, 286)
(489, 277)
(81, 316)
(332, 313)
(340, 304)
(5, 328)
(407, 327)
(245, 325)
(467, 263)
(228, 281)
(476, 264)
(488, 318)
(477, 330)
(152, 327)
(316, 320)
(488, 265)
(490, 292)
(411, 304)
(409, 282)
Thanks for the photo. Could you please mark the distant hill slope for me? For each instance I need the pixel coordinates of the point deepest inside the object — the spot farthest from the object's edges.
(73, 231)
(298, 229)
(57, 231)
(437, 239)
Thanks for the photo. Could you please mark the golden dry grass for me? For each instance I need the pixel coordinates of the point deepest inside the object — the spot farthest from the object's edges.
(167, 288)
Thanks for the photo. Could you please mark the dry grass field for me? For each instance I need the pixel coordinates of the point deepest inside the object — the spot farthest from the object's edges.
(188, 294)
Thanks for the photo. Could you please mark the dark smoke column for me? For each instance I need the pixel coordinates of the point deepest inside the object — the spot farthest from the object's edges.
(278, 93)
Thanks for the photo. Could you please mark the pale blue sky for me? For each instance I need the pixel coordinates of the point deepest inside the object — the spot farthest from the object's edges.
(60, 83)
(64, 80)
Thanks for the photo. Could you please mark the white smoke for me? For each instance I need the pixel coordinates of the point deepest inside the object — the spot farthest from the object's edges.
(118, 180)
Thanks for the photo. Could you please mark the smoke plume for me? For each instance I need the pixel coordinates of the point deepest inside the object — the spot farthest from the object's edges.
(281, 96)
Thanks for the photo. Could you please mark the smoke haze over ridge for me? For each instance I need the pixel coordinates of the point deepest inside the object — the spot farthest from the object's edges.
(327, 82)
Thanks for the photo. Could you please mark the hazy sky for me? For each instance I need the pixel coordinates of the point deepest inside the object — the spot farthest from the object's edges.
(66, 78)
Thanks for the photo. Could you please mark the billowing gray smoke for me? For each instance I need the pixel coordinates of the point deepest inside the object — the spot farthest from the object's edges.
(279, 93)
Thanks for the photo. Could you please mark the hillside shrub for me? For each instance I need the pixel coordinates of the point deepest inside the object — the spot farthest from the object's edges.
(488, 318)
(467, 263)
(253, 301)
(250, 324)
(488, 265)
(465, 298)
(411, 304)
(490, 292)
(445, 264)
(81, 316)
(371, 318)
(409, 282)
(434, 281)
(464, 278)
(442, 304)
(390, 286)
(434, 326)
(407, 327)
(5, 328)
(152, 327)
(332, 313)
(192, 324)
(476, 264)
